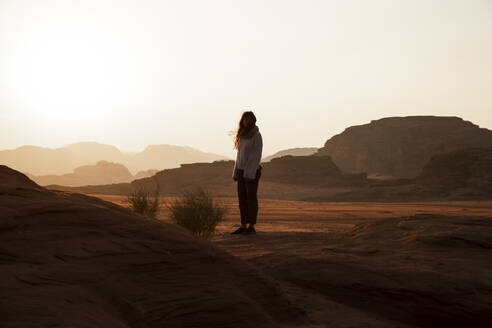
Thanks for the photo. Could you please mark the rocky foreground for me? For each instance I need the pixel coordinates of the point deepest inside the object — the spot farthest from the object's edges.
(425, 270)
(76, 261)
(73, 260)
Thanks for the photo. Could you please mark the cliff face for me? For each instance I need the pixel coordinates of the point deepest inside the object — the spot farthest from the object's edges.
(309, 170)
(400, 146)
(210, 176)
(464, 174)
(468, 171)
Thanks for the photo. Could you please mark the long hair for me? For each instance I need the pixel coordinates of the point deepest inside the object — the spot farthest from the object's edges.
(244, 129)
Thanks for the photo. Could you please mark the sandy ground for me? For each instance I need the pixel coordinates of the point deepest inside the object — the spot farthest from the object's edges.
(308, 232)
(298, 216)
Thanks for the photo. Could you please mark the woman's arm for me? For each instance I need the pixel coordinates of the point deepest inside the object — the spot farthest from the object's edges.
(234, 171)
(254, 157)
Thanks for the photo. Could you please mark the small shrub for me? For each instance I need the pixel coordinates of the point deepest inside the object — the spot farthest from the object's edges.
(142, 202)
(196, 211)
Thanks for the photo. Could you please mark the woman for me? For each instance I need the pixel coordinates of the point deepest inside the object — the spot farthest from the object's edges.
(247, 171)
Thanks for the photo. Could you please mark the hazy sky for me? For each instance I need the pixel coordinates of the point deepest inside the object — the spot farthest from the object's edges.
(133, 73)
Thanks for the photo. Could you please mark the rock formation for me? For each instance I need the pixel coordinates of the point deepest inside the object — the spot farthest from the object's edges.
(304, 151)
(466, 172)
(309, 170)
(215, 177)
(425, 270)
(70, 260)
(312, 171)
(400, 146)
(144, 174)
(101, 173)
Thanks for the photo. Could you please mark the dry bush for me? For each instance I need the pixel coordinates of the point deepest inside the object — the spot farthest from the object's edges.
(196, 211)
(141, 201)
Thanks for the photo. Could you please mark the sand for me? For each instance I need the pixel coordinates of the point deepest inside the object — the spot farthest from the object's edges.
(373, 264)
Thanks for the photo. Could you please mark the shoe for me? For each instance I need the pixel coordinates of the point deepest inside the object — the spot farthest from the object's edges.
(250, 231)
(239, 231)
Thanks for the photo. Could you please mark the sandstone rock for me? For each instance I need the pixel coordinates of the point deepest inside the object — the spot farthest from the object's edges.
(70, 260)
(309, 170)
(424, 270)
(400, 146)
(460, 172)
(217, 176)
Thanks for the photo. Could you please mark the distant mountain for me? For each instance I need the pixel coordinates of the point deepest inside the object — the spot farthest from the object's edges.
(101, 173)
(401, 146)
(144, 174)
(288, 177)
(305, 151)
(94, 152)
(460, 175)
(38, 161)
(168, 156)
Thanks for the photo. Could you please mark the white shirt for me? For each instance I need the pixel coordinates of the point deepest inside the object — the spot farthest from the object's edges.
(248, 156)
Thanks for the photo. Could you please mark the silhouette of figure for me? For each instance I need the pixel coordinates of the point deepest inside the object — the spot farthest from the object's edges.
(247, 170)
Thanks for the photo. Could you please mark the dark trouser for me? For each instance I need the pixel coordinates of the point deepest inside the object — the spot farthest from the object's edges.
(248, 198)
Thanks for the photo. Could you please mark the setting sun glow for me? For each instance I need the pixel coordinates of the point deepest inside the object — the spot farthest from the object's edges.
(134, 73)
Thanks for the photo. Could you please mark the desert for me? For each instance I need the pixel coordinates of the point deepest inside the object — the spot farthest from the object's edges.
(311, 264)
(373, 264)
(332, 249)
(245, 164)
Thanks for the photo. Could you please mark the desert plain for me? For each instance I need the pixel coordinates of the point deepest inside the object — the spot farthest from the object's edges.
(368, 264)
